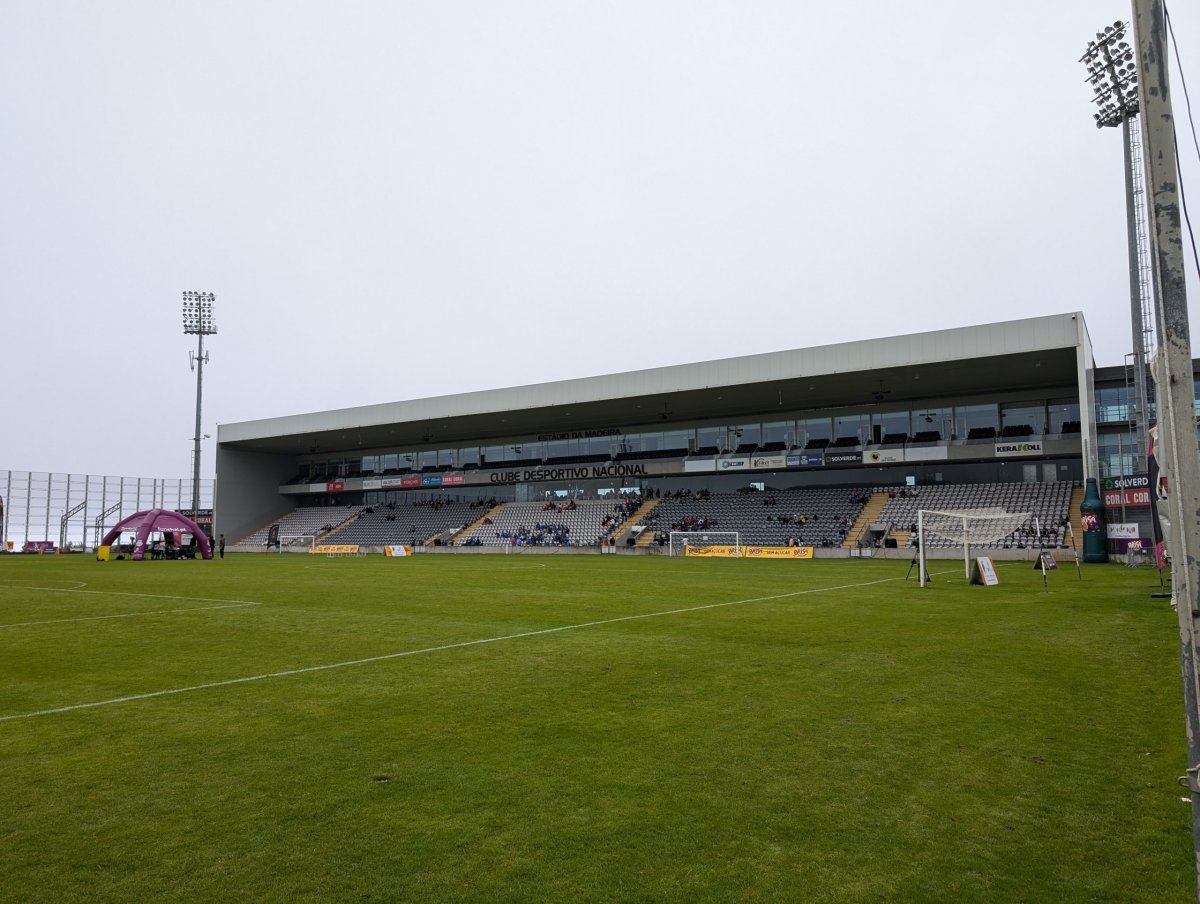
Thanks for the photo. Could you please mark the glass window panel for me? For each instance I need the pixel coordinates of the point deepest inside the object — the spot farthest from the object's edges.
(967, 417)
(891, 422)
(676, 439)
(710, 436)
(1113, 404)
(814, 428)
(857, 425)
(744, 435)
(778, 432)
(1115, 454)
(1062, 411)
(1024, 413)
(939, 419)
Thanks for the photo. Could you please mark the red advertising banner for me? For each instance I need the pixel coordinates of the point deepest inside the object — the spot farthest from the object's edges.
(1134, 498)
(335, 486)
(411, 481)
(453, 480)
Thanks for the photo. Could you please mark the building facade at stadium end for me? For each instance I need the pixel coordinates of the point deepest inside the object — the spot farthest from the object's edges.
(1018, 401)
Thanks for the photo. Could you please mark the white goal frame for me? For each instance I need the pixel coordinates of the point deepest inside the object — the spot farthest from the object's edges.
(294, 540)
(706, 537)
(982, 526)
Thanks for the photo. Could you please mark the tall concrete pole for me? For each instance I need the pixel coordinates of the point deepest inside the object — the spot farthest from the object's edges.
(196, 449)
(1173, 365)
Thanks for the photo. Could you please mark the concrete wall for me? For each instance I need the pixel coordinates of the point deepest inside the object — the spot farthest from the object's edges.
(247, 494)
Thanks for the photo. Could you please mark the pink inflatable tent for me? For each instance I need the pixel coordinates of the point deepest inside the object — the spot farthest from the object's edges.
(147, 522)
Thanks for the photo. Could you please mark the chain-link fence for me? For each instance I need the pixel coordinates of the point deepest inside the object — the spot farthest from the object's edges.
(73, 511)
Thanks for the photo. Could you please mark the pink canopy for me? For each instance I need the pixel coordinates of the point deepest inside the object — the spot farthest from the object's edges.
(147, 522)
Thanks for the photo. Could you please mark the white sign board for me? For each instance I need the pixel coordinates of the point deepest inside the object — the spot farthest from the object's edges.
(984, 572)
(1123, 531)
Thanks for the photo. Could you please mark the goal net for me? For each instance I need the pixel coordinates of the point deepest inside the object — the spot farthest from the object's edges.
(303, 542)
(962, 530)
(714, 543)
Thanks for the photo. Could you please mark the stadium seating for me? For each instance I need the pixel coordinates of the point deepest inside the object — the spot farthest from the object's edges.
(1049, 503)
(534, 524)
(384, 525)
(307, 521)
(807, 517)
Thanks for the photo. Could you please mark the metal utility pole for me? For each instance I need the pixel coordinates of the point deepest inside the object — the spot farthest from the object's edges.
(198, 322)
(1173, 367)
(1112, 73)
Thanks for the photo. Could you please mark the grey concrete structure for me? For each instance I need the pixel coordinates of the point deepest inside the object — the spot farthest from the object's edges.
(460, 444)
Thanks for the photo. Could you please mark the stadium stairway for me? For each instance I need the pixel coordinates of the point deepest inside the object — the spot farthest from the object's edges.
(868, 516)
(466, 531)
(1076, 517)
(642, 511)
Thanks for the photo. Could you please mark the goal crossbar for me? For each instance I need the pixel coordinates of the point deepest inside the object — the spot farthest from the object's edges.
(680, 540)
(966, 527)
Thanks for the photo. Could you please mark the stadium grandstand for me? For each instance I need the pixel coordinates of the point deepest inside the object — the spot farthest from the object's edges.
(832, 447)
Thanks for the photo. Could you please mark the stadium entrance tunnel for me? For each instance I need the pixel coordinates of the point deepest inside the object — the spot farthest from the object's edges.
(145, 523)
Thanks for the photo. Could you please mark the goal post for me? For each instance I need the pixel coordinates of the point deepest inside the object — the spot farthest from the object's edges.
(712, 540)
(979, 527)
(302, 541)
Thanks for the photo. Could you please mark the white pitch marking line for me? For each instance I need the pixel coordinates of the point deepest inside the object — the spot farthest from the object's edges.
(449, 646)
(77, 585)
(59, 621)
(151, 596)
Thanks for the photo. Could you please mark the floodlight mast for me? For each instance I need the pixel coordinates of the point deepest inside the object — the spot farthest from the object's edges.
(1112, 74)
(1173, 363)
(198, 322)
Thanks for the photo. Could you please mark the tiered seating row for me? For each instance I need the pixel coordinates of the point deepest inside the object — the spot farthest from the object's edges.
(386, 525)
(1049, 503)
(534, 524)
(311, 520)
(805, 517)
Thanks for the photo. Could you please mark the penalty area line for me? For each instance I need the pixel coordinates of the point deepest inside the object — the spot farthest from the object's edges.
(286, 673)
(83, 618)
(149, 596)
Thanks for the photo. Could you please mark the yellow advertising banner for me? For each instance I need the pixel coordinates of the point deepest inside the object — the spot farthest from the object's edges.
(751, 552)
(331, 549)
(726, 552)
(778, 552)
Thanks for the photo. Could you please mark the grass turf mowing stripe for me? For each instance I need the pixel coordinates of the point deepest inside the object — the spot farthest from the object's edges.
(435, 649)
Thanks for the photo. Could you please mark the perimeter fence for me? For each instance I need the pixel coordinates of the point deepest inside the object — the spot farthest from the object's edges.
(73, 511)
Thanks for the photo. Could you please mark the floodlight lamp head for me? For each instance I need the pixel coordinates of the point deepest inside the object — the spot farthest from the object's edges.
(198, 313)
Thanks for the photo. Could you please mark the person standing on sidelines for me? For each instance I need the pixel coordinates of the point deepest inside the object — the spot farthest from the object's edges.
(221, 545)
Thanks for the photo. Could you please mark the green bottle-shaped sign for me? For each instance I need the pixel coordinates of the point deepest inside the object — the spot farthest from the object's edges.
(1095, 537)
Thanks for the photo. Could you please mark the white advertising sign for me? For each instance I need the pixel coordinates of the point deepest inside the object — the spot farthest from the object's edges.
(1016, 449)
(1123, 532)
(768, 461)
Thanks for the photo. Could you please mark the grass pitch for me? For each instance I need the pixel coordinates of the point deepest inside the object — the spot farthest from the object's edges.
(300, 728)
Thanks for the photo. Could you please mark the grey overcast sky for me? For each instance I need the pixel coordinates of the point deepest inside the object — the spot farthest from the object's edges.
(395, 200)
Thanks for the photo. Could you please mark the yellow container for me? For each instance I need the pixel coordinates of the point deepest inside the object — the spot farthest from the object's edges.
(102, 553)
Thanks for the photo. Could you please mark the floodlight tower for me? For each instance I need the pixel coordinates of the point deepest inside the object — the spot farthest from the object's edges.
(1112, 73)
(198, 322)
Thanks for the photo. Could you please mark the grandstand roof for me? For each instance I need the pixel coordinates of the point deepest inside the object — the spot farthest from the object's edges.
(1008, 356)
